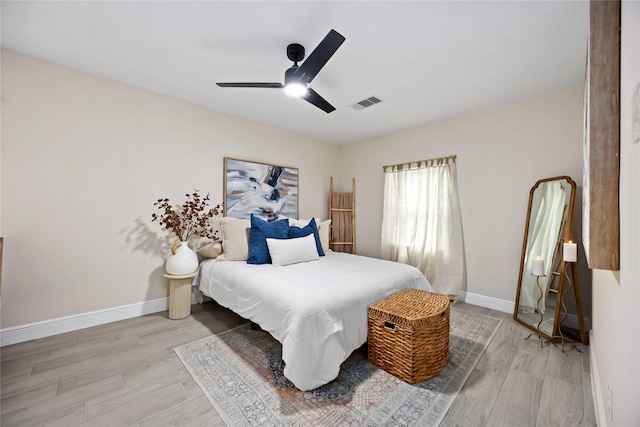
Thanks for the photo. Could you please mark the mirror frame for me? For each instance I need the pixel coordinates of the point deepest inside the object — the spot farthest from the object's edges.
(567, 237)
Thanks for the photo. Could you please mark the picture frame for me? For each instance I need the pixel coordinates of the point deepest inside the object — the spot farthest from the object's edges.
(262, 189)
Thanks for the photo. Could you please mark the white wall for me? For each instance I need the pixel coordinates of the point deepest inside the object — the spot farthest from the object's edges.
(616, 295)
(83, 160)
(501, 152)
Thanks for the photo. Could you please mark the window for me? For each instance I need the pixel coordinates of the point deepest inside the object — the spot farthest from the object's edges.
(422, 224)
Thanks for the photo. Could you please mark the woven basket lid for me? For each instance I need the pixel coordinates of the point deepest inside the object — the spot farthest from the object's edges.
(412, 305)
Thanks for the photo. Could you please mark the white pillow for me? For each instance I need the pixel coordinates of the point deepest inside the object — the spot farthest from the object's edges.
(235, 238)
(324, 228)
(296, 222)
(210, 250)
(292, 251)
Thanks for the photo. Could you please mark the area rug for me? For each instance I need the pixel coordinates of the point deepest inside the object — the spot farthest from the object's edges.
(240, 371)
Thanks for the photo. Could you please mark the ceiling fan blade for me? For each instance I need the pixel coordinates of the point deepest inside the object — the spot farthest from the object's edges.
(259, 85)
(313, 98)
(321, 54)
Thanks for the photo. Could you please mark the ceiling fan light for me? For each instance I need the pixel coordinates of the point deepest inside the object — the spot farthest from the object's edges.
(295, 89)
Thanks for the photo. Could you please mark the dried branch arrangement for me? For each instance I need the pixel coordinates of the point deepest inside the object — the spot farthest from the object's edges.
(193, 218)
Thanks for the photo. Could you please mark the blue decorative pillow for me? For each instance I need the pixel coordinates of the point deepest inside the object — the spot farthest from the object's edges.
(258, 233)
(305, 231)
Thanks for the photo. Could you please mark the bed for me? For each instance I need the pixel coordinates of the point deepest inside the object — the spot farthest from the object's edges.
(317, 310)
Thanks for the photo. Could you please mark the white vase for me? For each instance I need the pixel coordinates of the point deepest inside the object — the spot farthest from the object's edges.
(183, 260)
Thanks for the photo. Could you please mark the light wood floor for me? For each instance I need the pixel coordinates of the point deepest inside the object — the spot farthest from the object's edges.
(126, 374)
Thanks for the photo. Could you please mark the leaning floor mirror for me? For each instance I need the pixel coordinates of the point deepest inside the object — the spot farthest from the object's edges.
(543, 271)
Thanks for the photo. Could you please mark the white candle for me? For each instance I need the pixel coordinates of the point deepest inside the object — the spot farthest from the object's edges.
(570, 252)
(538, 266)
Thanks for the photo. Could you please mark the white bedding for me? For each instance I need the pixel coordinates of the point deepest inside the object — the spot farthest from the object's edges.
(317, 310)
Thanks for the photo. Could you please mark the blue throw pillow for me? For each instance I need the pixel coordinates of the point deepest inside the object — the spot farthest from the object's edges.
(305, 231)
(260, 230)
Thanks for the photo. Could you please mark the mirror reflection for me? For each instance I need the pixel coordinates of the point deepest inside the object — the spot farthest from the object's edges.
(548, 224)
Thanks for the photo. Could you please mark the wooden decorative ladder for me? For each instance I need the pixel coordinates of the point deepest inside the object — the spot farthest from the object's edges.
(342, 215)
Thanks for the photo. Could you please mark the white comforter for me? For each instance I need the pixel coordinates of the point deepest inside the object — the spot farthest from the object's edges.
(317, 310)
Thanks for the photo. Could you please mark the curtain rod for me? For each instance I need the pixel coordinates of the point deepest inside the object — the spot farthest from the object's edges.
(421, 161)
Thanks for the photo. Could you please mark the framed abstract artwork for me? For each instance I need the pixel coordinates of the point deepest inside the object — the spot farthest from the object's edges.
(259, 188)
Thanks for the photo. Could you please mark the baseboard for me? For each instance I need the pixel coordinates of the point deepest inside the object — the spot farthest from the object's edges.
(509, 306)
(598, 400)
(487, 302)
(31, 331)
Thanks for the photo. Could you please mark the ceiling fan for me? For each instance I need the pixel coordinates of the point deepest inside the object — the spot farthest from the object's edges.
(297, 77)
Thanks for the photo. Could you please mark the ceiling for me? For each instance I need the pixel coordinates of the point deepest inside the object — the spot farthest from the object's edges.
(426, 60)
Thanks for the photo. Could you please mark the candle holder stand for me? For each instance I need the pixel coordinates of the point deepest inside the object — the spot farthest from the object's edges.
(539, 308)
(564, 312)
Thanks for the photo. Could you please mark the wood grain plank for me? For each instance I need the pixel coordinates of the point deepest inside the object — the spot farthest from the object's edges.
(561, 404)
(475, 401)
(512, 333)
(565, 366)
(29, 371)
(497, 358)
(135, 406)
(448, 422)
(70, 382)
(101, 405)
(89, 391)
(30, 348)
(28, 398)
(61, 409)
(124, 327)
(155, 349)
(25, 384)
(518, 401)
(193, 412)
(68, 355)
(63, 416)
(161, 374)
(531, 358)
(14, 370)
(192, 388)
(590, 419)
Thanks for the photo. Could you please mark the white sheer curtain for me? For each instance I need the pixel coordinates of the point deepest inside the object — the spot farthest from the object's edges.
(422, 224)
(547, 212)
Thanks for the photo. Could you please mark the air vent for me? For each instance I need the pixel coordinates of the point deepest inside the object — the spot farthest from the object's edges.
(366, 103)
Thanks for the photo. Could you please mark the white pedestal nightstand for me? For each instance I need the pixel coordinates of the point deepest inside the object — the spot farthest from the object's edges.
(180, 295)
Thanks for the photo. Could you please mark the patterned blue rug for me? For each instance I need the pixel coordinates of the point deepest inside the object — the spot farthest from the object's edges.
(240, 371)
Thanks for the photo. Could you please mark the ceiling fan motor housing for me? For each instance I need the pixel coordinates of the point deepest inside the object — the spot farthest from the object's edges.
(295, 52)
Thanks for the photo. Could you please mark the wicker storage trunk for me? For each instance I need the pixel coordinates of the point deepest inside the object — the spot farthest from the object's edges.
(408, 334)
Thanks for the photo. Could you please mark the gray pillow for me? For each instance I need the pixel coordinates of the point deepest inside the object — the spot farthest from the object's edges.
(235, 238)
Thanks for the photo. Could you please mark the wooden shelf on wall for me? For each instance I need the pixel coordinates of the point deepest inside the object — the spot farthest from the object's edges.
(601, 215)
